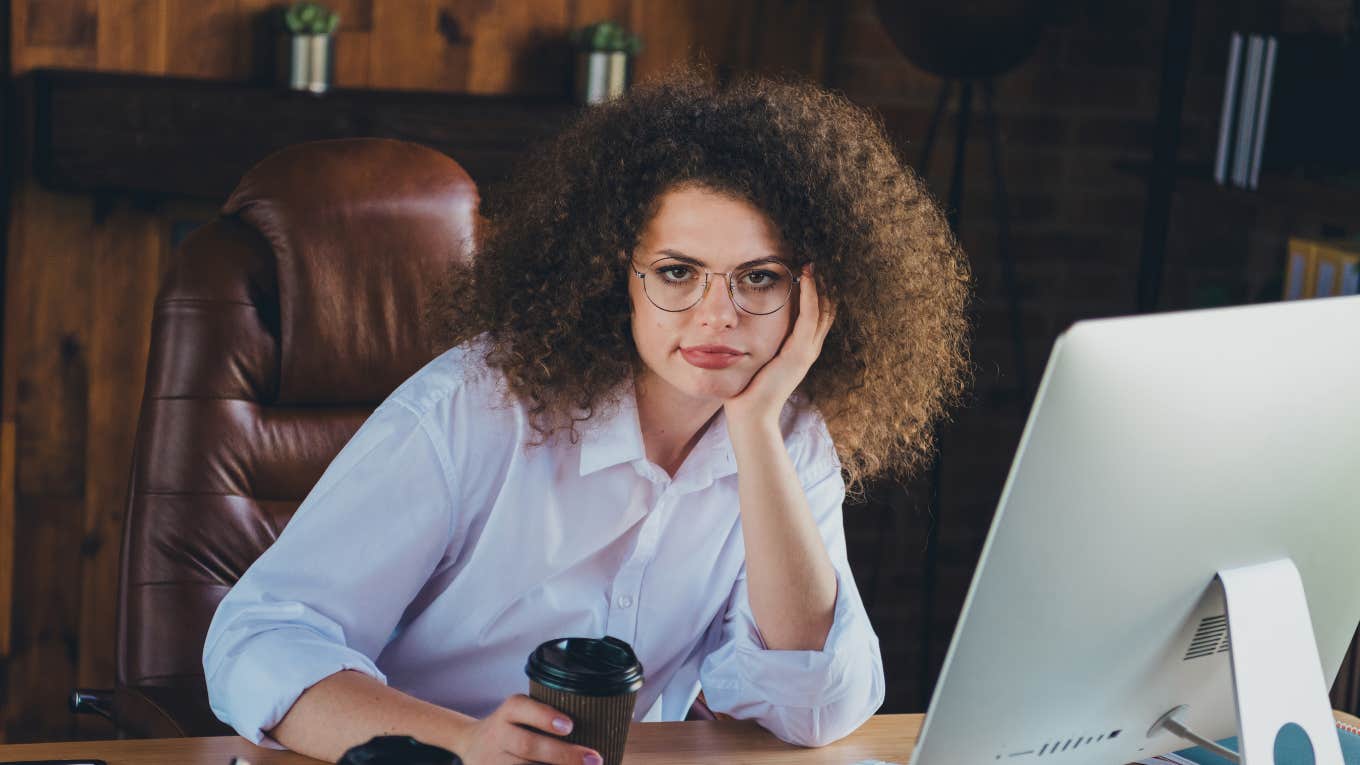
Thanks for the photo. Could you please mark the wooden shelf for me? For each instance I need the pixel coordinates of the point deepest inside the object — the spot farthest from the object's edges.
(1335, 199)
(161, 137)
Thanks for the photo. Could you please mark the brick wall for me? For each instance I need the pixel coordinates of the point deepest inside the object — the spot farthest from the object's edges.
(1085, 102)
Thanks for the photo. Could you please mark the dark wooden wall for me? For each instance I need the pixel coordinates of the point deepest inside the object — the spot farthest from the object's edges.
(82, 274)
(79, 283)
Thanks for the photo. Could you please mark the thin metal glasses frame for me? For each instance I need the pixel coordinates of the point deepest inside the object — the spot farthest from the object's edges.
(731, 288)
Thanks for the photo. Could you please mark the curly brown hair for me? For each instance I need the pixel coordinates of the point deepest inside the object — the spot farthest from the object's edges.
(552, 256)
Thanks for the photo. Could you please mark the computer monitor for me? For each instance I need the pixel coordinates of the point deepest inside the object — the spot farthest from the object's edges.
(1162, 451)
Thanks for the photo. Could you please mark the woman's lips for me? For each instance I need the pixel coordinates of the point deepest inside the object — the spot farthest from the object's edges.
(711, 356)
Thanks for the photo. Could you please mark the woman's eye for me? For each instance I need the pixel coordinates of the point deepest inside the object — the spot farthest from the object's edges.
(675, 273)
(759, 278)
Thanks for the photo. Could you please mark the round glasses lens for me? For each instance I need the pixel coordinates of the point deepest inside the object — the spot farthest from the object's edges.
(673, 285)
(762, 288)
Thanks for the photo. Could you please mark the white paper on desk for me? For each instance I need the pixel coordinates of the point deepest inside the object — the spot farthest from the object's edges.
(1171, 758)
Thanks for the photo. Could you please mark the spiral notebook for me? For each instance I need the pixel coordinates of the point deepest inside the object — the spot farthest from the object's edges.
(1350, 751)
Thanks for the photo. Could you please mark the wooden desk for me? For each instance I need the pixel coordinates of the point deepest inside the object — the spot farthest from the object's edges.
(885, 737)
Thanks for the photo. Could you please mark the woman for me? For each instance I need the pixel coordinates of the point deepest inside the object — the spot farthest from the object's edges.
(693, 316)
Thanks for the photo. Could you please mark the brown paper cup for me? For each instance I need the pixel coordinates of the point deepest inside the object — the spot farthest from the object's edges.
(599, 722)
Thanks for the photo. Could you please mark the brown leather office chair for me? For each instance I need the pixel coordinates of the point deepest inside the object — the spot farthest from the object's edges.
(278, 329)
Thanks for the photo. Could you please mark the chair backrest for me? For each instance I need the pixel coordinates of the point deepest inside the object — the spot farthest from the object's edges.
(278, 329)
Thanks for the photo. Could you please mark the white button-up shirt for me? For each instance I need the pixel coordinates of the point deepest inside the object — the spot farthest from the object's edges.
(437, 551)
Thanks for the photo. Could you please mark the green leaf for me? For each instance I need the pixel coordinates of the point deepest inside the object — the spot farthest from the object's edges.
(606, 36)
(601, 39)
(307, 18)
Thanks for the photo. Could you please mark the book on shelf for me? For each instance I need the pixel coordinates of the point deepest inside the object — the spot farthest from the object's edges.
(1287, 107)
(1258, 132)
(1321, 268)
(1225, 122)
(1244, 116)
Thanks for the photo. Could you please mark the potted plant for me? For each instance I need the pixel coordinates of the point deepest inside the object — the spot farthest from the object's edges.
(604, 60)
(307, 44)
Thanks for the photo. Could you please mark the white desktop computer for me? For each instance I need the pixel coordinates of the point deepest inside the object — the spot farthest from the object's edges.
(1176, 554)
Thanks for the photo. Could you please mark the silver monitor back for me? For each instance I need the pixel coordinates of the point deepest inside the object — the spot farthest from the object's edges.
(1159, 450)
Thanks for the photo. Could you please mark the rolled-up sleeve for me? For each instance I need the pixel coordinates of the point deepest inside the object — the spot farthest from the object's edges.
(329, 592)
(809, 698)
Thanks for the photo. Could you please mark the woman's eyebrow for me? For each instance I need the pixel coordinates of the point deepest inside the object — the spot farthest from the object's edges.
(688, 259)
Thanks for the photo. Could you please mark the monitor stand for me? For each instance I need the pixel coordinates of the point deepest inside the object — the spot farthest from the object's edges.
(1277, 676)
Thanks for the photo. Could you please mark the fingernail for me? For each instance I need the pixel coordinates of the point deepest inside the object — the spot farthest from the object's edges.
(593, 759)
(561, 725)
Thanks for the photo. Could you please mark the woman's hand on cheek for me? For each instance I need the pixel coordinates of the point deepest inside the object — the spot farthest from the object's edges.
(761, 401)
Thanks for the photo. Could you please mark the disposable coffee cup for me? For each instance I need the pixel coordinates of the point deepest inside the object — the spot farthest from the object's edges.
(594, 682)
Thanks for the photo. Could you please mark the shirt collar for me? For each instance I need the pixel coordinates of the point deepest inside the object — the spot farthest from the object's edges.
(615, 437)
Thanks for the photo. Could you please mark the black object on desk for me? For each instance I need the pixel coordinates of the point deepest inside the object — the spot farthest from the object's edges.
(398, 750)
(53, 762)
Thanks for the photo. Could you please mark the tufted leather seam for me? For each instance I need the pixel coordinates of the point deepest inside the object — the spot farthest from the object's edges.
(208, 301)
(180, 583)
(213, 494)
(206, 398)
(338, 410)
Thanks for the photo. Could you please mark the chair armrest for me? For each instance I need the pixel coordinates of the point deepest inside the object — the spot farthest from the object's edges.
(150, 711)
(699, 711)
(92, 701)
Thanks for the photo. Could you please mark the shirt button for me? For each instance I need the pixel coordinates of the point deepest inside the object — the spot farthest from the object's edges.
(625, 601)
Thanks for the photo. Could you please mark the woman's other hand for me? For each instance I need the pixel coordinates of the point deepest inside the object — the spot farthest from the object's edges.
(514, 733)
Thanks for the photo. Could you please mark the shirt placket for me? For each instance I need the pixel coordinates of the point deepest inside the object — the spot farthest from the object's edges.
(625, 597)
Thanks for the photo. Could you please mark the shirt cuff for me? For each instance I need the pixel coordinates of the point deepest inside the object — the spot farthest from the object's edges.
(807, 678)
(261, 678)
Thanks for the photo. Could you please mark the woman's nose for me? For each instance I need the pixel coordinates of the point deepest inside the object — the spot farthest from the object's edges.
(716, 307)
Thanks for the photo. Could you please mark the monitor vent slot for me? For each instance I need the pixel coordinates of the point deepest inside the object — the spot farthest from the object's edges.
(1210, 637)
(1061, 745)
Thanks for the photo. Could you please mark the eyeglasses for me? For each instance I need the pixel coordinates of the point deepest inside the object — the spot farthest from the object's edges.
(676, 285)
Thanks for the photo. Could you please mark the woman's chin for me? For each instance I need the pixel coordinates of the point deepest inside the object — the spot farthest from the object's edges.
(718, 385)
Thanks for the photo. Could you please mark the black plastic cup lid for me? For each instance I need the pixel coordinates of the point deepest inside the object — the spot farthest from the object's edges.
(398, 750)
(586, 666)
